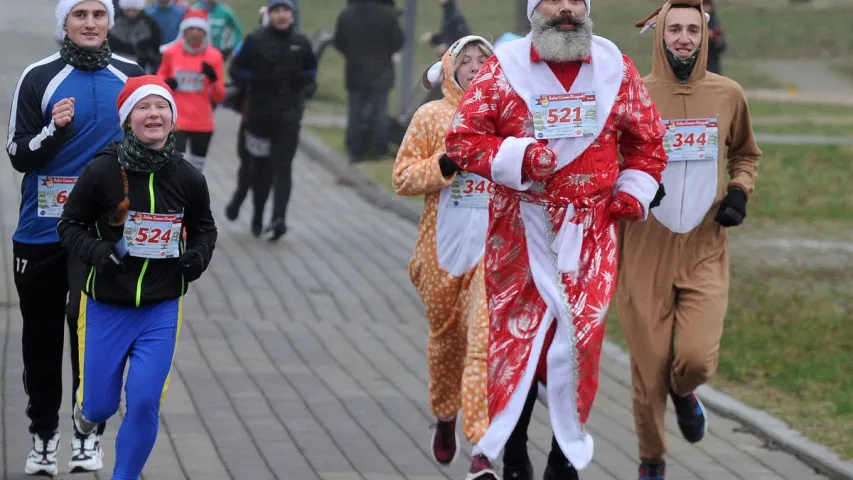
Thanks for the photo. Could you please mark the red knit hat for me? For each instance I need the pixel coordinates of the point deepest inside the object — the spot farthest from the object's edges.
(195, 18)
(137, 88)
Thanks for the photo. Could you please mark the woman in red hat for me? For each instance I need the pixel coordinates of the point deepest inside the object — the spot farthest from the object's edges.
(194, 71)
(125, 219)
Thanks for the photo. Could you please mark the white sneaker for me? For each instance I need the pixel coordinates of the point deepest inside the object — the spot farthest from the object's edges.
(42, 458)
(86, 453)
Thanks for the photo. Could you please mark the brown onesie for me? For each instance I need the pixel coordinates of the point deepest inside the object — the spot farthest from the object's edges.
(673, 282)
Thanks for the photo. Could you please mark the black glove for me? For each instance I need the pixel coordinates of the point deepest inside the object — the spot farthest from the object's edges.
(105, 260)
(208, 72)
(192, 265)
(658, 197)
(732, 208)
(172, 83)
(448, 167)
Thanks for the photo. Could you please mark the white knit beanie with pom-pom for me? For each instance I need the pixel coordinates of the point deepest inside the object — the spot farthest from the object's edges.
(63, 8)
(532, 4)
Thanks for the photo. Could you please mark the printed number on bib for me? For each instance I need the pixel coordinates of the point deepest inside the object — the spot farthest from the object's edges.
(189, 81)
(691, 139)
(52, 195)
(471, 191)
(257, 146)
(564, 115)
(153, 235)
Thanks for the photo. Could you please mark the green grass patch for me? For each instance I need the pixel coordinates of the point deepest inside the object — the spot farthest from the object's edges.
(844, 69)
(763, 108)
(803, 182)
(754, 32)
(786, 348)
(807, 127)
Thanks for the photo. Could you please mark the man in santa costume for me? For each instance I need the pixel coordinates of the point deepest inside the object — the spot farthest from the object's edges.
(546, 120)
(674, 274)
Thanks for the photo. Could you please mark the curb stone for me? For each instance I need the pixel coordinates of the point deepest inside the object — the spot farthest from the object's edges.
(757, 422)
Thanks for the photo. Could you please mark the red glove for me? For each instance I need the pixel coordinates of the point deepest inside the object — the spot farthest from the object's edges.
(626, 207)
(540, 162)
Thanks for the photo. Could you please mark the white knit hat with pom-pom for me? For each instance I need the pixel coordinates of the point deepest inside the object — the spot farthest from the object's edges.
(63, 8)
(532, 4)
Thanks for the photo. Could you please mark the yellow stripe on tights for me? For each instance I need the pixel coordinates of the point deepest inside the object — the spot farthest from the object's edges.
(175, 350)
(81, 340)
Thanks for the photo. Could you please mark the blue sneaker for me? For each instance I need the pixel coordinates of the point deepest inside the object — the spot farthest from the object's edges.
(691, 416)
(652, 471)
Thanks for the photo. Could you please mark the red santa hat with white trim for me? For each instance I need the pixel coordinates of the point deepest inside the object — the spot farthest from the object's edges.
(195, 18)
(532, 4)
(137, 88)
(64, 7)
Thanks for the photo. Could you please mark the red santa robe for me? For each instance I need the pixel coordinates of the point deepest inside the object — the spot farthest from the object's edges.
(551, 251)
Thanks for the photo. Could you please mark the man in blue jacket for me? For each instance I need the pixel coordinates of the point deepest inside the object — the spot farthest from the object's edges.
(168, 16)
(63, 113)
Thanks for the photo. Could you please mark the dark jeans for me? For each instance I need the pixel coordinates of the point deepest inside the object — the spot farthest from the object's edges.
(49, 284)
(515, 450)
(270, 173)
(199, 143)
(367, 123)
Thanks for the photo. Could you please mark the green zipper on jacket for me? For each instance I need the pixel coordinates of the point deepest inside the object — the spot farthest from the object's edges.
(145, 265)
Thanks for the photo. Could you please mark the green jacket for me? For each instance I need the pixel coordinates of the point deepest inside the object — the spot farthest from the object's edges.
(225, 29)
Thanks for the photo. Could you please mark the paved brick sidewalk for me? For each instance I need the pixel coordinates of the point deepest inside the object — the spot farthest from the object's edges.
(306, 360)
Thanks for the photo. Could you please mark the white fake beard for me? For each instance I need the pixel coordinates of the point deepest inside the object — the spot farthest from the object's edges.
(561, 46)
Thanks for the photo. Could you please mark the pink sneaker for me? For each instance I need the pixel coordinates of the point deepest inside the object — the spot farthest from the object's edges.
(445, 443)
(481, 469)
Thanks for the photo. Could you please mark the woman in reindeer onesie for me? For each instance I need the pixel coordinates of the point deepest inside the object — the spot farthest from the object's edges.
(447, 268)
(673, 283)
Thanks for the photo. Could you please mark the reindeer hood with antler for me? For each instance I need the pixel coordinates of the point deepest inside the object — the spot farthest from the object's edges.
(662, 67)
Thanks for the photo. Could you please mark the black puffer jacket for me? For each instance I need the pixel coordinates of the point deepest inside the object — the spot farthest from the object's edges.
(85, 223)
(368, 34)
(278, 67)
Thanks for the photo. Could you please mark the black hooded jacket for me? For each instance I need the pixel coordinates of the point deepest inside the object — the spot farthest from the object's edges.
(85, 223)
(368, 34)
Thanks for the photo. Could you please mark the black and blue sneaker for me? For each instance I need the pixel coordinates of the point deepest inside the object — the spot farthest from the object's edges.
(652, 471)
(691, 416)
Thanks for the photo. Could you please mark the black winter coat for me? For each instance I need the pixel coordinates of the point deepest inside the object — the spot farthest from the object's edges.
(85, 223)
(368, 34)
(278, 68)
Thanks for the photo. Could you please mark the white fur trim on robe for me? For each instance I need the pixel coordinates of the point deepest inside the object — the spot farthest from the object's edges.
(639, 185)
(506, 166)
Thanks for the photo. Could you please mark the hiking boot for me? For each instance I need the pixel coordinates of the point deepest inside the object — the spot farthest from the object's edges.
(692, 420)
(278, 229)
(86, 453)
(481, 469)
(652, 471)
(518, 469)
(563, 472)
(257, 225)
(232, 211)
(42, 458)
(444, 444)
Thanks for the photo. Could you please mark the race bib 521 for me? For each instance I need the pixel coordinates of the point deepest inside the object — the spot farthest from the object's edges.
(189, 81)
(153, 235)
(691, 139)
(564, 115)
(52, 195)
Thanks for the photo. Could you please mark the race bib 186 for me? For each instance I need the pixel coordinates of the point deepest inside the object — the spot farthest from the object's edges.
(564, 115)
(153, 235)
(691, 139)
(470, 190)
(189, 81)
(52, 195)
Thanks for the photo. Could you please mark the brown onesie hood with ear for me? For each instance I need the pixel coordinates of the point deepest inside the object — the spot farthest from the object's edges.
(661, 69)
